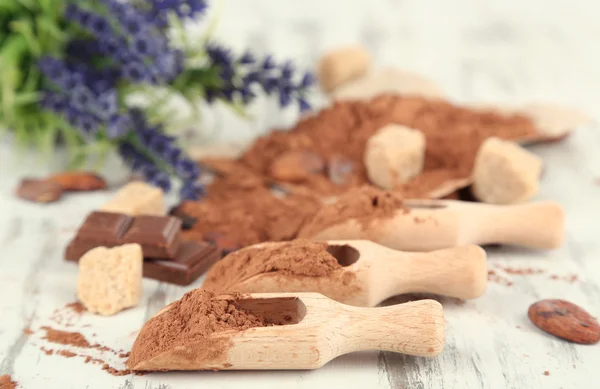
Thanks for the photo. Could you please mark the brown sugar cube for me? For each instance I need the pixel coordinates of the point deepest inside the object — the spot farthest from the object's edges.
(505, 173)
(137, 198)
(342, 65)
(110, 280)
(394, 155)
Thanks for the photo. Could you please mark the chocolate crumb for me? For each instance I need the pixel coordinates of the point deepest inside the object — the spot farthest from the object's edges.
(47, 351)
(124, 355)
(546, 372)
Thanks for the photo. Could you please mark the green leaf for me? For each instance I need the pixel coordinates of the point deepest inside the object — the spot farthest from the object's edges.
(31, 83)
(48, 26)
(10, 7)
(25, 98)
(24, 27)
(12, 49)
(30, 4)
(52, 8)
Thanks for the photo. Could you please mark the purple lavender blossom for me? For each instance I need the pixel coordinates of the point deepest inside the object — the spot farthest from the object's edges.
(182, 8)
(238, 77)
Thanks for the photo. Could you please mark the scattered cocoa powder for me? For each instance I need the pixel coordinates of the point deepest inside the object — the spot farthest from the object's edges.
(115, 372)
(570, 278)
(47, 351)
(498, 279)
(522, 272)
(76, 307)
(64, 337)
(67, 354)
(6, 382)
(365, 204)
(69, 314)
(453, 135)
(124, 355)
(298, 257)
(27, 331)
(191, 320)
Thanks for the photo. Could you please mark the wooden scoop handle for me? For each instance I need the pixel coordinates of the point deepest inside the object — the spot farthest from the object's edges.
(456, 272)
(536, 225)
(414, 328)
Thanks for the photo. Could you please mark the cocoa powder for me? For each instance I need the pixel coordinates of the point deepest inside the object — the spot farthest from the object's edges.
(63, 337)
(364, 204)
(298, 257)
(6, 382)
(453, 135)
(246, 214)
(192, 320)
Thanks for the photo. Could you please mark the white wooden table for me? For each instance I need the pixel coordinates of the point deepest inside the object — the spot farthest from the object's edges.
(508, 51)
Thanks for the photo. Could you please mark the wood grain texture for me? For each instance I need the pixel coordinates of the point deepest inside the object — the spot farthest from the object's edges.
(504, 51)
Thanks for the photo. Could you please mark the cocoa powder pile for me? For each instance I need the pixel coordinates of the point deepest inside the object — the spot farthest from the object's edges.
(453, 135)
(6, 382)
(192, 320)
(298, 257)
(247, 212)
(364, 204)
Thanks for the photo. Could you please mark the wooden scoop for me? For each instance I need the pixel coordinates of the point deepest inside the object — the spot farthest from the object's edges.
(372, 273)
(436, 224)
(309, 331)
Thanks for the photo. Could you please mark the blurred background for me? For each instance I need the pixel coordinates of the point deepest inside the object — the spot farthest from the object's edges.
(477, 51)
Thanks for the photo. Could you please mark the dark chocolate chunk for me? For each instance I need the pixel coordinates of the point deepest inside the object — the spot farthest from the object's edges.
(158, 235)
(39, 191)
(104, 226)
(192, 260)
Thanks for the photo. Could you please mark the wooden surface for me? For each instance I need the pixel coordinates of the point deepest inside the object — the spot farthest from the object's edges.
(508, 51)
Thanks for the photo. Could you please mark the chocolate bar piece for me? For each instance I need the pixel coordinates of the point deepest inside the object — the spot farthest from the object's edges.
(192, 260)
(104, 227)
(159, 236)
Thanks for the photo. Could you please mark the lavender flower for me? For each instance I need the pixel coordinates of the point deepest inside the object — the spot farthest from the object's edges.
(182, 8)
(140, 49)
(163, 150)
(238, 77)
